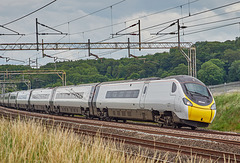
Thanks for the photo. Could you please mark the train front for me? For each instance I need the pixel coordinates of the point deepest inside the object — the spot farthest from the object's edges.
(199, 102)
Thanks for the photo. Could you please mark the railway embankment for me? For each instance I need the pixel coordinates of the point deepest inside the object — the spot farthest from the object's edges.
(228, 112)
(31, 141)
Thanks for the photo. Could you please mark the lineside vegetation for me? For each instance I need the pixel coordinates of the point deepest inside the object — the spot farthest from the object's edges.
(29, 141)
(228, 112)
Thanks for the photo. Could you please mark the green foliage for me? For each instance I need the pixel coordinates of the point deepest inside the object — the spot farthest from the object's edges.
(234, 71)
(210, 73)
(180, 69)
(231, 55)
(228, 113)
(134, 76)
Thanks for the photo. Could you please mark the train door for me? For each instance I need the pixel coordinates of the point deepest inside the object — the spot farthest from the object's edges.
(173, 96)
(51, 100)
(143, 96)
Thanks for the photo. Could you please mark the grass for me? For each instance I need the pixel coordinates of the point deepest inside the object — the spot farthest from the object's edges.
(30, 141)
(228, 113)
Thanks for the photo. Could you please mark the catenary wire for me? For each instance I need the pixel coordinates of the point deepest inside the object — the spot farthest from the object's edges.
(89, 14)
(141, 17)
(195, 14)
(29, 13)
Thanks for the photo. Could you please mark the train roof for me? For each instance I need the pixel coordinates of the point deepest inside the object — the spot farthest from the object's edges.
(185, 79)
(79, 85)
(180, 78)
(131, 80)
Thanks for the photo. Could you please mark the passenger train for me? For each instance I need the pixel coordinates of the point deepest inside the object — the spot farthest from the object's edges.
(175, 101)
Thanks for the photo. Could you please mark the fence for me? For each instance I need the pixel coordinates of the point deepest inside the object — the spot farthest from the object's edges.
(225, 88)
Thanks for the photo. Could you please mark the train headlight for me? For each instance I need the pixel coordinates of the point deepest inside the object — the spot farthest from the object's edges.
(213, 107)
(187, 102)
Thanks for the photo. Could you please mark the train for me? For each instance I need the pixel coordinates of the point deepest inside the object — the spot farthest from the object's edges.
(176, 101)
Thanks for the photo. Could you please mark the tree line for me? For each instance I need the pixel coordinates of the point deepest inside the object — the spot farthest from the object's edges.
(217, 63)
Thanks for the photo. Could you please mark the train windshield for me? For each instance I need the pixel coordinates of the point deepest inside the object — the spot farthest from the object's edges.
(197, 89)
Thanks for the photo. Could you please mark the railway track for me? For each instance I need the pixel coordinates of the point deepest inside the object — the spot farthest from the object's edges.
(75, 123)
(198, 130)
(149, 131)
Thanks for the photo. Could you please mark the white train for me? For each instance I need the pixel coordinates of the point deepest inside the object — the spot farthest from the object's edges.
(173, 101)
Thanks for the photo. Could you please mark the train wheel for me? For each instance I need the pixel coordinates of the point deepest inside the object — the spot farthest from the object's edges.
(174, 126)
(179, 126)
(49, 110)
(57, 111)
(193, 128)
(160, 124)
(108, 119)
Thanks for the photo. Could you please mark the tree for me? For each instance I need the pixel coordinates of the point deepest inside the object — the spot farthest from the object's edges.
(109, 72)
(231, 56)
(149, 69)
(234, 71)
(211, 74)
(181, 69)
(134, 76)
(121, 71)
(218, 62)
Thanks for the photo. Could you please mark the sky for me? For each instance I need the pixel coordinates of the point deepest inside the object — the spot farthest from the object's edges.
(97, 20)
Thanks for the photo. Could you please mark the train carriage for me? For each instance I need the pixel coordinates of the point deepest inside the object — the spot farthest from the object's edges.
(23, 99)
(174, 101)
(6, 99)
(39, 99)
(72, 99)
(199, 105)
(121, 100)
(1, 99)
(13, 99)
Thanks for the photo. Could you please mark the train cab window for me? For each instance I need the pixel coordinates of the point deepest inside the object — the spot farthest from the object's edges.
(174, 87)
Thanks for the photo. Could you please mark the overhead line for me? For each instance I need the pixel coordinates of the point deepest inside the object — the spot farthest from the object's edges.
(29, 13)
(199, 31)
(208, 17)
(204, 30)
(196, 25)
(133, 18)
(198, 13)
(90, 13)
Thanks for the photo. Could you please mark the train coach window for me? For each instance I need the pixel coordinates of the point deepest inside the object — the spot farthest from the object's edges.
(174, 87)
(122, 94)
(75, 95)
(12, 97)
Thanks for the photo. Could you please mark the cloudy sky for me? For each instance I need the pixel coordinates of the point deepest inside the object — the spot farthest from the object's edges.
(98, 19)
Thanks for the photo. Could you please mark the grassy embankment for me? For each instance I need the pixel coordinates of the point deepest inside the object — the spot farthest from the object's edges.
(228, 113)
(32, 142)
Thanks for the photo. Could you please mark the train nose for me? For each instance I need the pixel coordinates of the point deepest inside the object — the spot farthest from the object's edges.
(200, 114)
